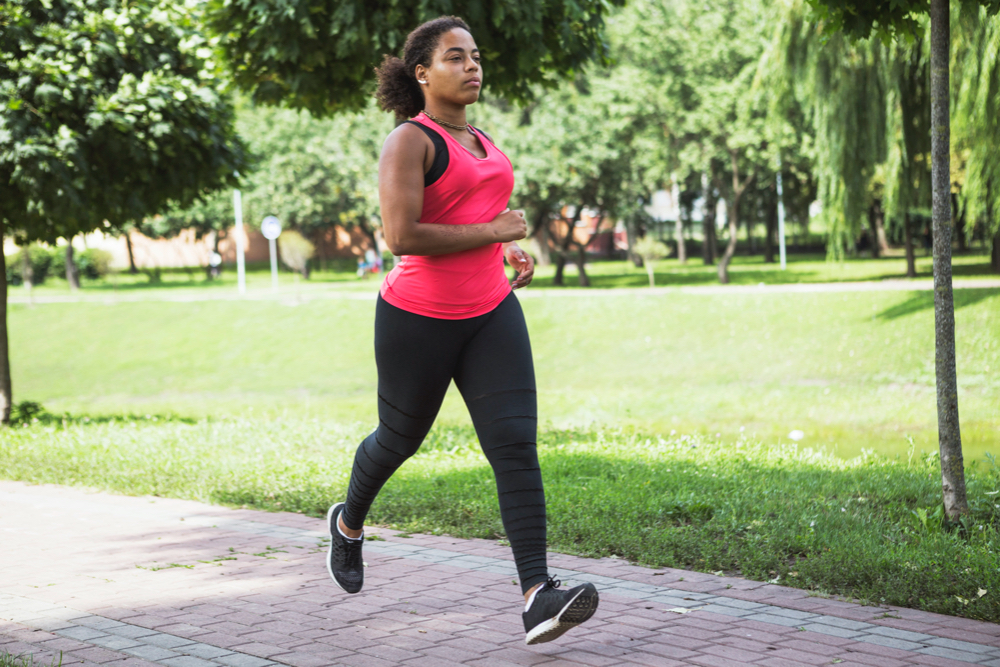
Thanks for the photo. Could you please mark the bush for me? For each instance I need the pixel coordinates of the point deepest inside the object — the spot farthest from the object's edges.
(92, 263)
(41, 265)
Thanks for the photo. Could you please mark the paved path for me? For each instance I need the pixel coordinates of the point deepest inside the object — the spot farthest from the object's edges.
(139, 582)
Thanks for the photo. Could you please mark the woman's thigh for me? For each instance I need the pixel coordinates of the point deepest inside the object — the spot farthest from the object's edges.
(416, 358)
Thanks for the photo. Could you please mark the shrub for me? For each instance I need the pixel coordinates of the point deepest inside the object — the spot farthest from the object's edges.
(92, 263)
(41, 264)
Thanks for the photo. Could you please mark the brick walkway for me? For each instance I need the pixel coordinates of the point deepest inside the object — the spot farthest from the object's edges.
(123, 581)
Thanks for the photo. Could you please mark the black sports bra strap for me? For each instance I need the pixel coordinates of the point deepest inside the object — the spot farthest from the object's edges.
(441, 156)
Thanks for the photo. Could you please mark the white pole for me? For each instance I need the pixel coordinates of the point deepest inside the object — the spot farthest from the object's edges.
(241, 270)
(273, 251)
(781, 221)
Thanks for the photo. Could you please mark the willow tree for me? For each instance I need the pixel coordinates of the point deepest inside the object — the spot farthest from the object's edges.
(976, 124)
(900, 19)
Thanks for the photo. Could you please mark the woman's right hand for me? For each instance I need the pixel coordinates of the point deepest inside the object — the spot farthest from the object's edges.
(509, 226)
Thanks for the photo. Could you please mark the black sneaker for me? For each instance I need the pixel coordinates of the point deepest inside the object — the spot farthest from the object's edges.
(552, 612)
(343, 561)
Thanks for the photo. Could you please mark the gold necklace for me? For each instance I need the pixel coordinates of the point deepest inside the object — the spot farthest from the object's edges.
(463, 128)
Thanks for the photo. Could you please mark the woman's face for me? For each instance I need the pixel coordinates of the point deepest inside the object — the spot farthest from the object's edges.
(455, 74)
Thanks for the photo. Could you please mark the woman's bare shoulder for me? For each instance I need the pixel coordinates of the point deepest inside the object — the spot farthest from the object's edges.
(407, 140)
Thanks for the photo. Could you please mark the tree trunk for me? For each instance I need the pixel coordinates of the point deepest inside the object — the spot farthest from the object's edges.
(581, 259)
(72, 274)
(708, 249)
(883, 242)
(6, 398)
(723, 270)
(770, 226)
(27, 273)
(949, 433)
(557, 279)
(958, 215)
(911, 260)
(131, 256)
(874, 212)
(734, 219)
(542, 238)
(995, 254)
(682, 254)
(632, 233)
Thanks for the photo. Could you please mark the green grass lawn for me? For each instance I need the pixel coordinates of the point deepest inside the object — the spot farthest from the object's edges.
(851, 370)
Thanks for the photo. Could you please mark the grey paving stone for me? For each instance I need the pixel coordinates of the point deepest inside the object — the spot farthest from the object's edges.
(81, 633)
(151, 653)
(843, 623)
(735, 602)
(952, 654)
(992, 663)
(896, 633)
(99, 622)
(166, 641)
(774, 619)
(725, 611)
(242, 660)
(674, 601)
(187, 661)
(114, 642)
(832, 630)
(891, 642)
(206, 651)
(960, 645)
(133, 631)
(792, 613)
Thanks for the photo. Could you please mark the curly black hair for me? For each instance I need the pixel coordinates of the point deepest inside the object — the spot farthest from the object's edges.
(398, 89)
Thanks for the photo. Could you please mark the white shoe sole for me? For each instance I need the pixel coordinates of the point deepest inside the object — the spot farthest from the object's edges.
(576, 611)
(329, 552)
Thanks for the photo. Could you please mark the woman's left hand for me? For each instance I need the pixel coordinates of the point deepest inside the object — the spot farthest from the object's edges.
(522, 262)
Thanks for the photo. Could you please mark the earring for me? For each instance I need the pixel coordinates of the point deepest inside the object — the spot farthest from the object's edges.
(421, 81)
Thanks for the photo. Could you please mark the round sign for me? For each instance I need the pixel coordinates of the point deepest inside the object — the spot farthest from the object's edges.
(270, 227)
(215, 259)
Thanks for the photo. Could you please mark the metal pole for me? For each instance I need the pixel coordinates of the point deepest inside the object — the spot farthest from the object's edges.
(273, 251)
(241, 271)
(781, 221)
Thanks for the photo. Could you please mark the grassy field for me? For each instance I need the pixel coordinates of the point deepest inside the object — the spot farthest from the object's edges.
(850, 370)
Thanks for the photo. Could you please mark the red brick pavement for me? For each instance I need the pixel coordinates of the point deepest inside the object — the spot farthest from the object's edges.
(138, 561)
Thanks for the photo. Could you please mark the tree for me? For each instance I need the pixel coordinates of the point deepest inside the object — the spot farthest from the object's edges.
(319, 54)
(651, 250)
(111, 112)
(892, 19)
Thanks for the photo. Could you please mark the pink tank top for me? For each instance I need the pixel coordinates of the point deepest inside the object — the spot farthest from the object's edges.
(462, 284)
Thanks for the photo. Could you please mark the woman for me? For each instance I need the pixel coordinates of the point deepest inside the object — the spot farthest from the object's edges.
(447, 312)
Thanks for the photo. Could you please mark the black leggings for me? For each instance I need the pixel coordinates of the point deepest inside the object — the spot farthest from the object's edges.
(489, 357)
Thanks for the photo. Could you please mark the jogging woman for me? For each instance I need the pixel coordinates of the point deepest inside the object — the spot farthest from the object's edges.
(446, 312)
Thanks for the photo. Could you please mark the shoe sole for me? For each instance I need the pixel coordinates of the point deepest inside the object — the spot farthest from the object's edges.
(329, 552)
(576, 611)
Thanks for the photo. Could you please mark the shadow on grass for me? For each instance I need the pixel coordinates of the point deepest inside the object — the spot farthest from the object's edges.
(920, 301)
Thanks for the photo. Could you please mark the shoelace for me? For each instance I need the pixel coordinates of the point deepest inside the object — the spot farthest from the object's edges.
(353, 548)
(552, 582)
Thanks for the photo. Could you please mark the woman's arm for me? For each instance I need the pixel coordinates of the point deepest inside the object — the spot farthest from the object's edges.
(401, 169)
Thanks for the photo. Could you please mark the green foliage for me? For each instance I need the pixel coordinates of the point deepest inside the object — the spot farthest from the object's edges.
(887, 19)
(21, 660)
(864, 528)
(111, 110)
(311, 173)
(41, 263)
(650, 249)
(319, 54)
(295, 250)
(92, 263)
